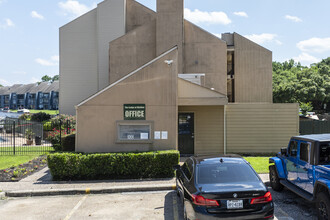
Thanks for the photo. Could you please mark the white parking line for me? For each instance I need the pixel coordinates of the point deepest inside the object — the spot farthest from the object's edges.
(76, 208)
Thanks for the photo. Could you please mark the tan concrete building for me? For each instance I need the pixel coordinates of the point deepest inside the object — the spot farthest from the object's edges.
(170, 85)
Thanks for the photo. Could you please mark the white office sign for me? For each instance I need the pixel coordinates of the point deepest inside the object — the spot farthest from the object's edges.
(157, 135)
(164, 135)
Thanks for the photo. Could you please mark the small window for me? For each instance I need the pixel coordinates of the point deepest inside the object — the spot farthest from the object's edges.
(129, 131)
(304, 152)
(293, 148)
(134, 132)
(324, 153)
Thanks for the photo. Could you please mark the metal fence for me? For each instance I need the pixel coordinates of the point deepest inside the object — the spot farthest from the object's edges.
(20, 137)
(314, 127)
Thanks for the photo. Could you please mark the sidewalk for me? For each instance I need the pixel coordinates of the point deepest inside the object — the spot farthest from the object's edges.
(40, 184)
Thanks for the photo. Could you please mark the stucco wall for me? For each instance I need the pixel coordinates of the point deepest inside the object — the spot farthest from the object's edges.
(132, 50)
(78, 62)
(169, 31)
(260, 128)
(253, 71)
(84, 43)
(208, 128)
(111, 22)
(137, 15)
(155, 86)
(205, 53)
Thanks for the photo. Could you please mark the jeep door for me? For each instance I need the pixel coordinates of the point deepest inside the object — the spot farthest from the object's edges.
(304, 169)
(291, 161)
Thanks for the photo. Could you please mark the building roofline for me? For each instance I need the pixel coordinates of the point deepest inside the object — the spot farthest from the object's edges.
(127, 76)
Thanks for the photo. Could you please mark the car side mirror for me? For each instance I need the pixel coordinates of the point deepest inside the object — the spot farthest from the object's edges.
(177, 167)
(284, 151)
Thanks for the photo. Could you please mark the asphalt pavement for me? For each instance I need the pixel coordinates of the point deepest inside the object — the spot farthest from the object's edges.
(288, 206)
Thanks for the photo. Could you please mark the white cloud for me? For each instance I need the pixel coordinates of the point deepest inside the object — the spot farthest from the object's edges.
(55, 58)
(316, 45)
(74, 8)
(217, 35)
(7, 23)
(306, 59)
(4, 82)
(263, 38)
(197, 16)
(53, 61)
(19, 72)
(34, 80)
(35, 14)
(292, 18)
(241, 14)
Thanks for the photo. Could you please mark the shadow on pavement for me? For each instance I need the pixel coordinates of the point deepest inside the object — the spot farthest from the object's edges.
(173, 209)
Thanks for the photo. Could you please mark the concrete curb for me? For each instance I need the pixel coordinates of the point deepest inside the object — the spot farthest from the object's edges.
(56, 192)
(2, 195)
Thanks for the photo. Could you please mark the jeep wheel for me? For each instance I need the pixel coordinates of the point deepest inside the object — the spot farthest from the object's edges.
(274, 179)
(323, 206)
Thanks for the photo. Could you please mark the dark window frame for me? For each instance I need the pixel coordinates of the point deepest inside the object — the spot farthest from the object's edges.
(291, 148)
(306, 156)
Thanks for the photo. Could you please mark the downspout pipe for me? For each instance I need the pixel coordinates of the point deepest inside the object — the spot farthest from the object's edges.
(225, 129)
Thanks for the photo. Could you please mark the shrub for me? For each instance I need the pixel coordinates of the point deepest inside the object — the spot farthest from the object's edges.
(67, 121)
(40, 117)
(57, 147)
(48, 126)
(54, 137)
(68, 142)
(78, 166)
(25, 117)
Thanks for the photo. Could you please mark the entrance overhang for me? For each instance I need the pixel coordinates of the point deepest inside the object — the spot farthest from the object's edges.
(191, 94)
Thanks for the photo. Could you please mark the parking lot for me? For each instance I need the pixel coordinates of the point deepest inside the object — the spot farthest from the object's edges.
(138, 205)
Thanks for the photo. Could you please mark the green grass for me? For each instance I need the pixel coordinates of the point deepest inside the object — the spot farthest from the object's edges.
(13, 161)
(51, 112)
(25, 150)
(259, 164)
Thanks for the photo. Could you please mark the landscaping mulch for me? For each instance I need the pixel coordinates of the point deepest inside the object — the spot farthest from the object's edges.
(14, 174)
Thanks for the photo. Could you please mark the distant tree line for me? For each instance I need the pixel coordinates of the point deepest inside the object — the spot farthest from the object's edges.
(309, 86)
(47, 78)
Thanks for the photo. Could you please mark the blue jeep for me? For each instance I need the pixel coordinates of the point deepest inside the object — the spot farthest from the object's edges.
(304, 168)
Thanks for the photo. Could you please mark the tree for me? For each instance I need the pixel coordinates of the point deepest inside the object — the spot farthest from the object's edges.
(55, 78)
(293, 82)
(46, 78)
(1, 85)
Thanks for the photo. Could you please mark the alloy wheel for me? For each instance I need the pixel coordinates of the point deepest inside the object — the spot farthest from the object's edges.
(323, 210)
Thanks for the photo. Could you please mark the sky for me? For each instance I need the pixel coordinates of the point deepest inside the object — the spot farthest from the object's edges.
(291, 29)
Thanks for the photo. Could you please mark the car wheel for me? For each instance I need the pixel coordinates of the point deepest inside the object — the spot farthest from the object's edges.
(274, 179)
(323, 206)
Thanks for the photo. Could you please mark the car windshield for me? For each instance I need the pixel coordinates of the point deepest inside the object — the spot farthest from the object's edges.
(325, 153)
(228, 172)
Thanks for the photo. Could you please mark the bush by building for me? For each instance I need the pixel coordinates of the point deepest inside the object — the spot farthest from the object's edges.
(78, 166)
(40, 117)
(68, 142)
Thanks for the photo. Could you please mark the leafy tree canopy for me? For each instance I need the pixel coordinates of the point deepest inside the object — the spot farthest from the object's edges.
(309, 86)
(47, 78)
